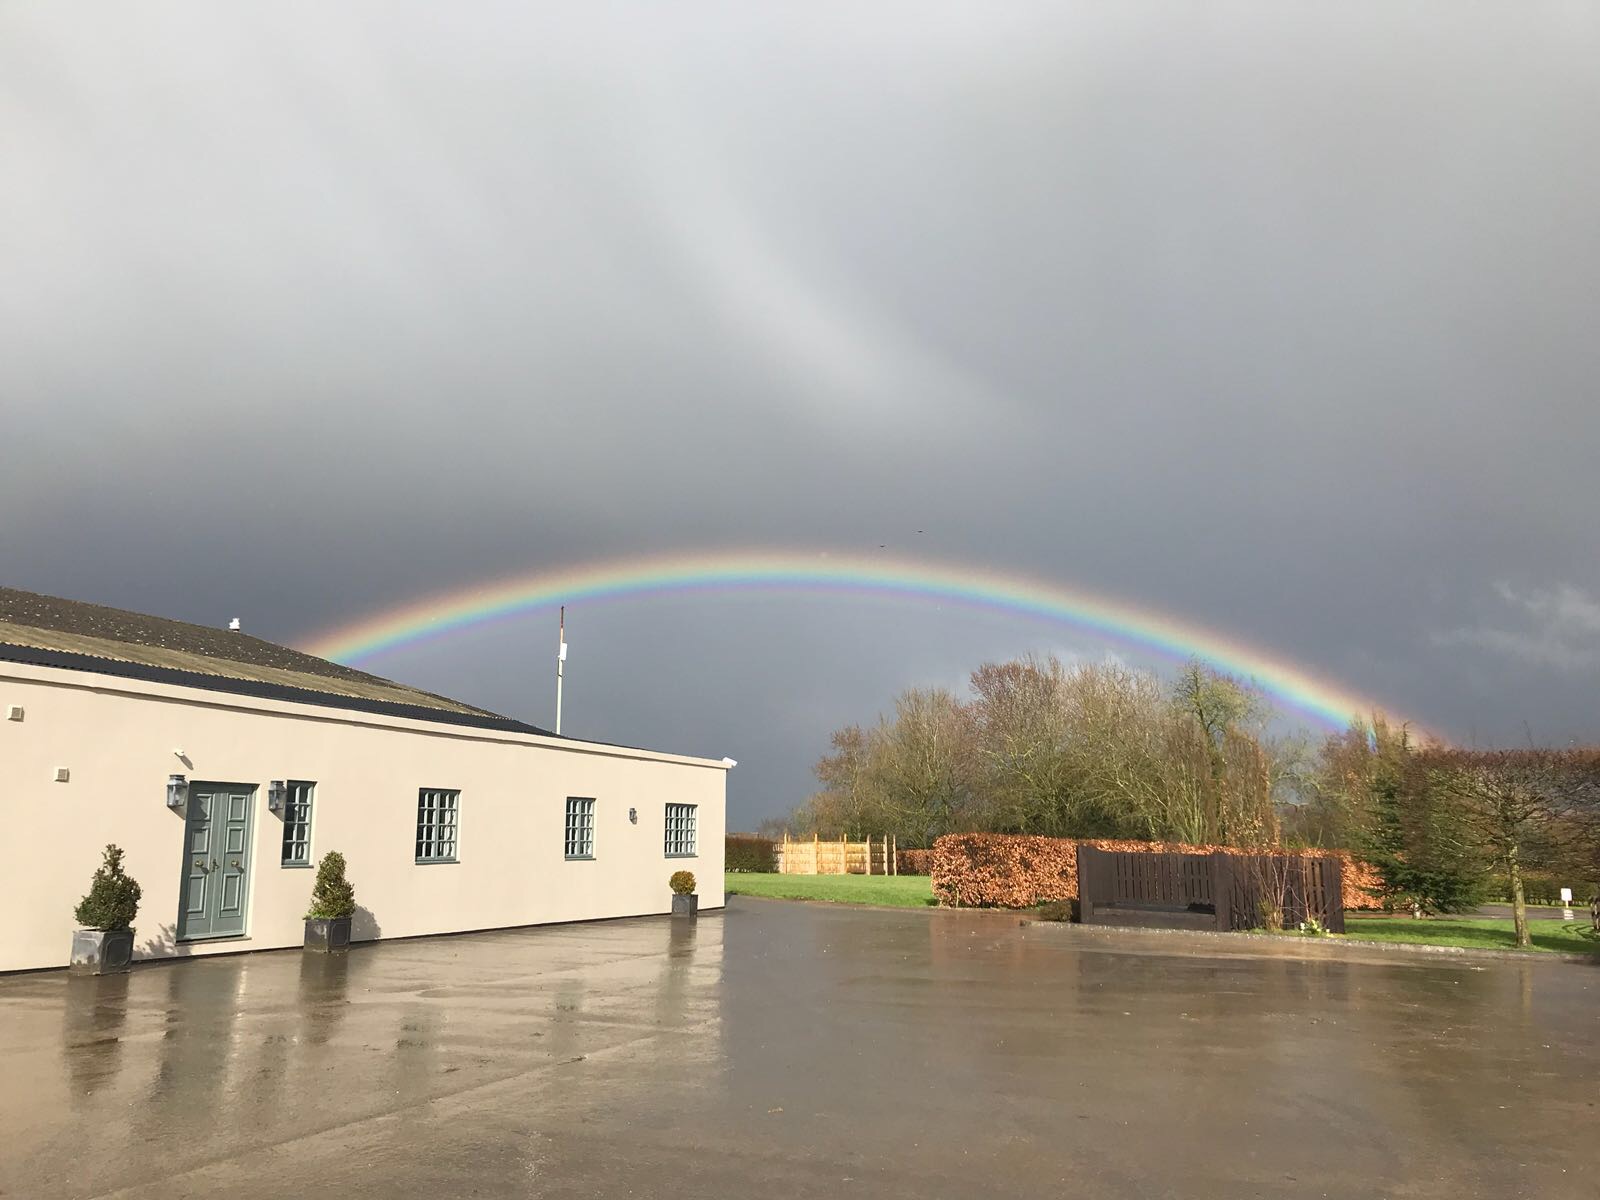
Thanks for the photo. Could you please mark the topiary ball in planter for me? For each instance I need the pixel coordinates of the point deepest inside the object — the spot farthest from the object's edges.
(684, 902)
(104, 946)
(333, 903)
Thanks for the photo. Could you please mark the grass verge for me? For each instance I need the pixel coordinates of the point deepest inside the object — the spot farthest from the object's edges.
(915, 891)
(899, 891)
(1573, 937)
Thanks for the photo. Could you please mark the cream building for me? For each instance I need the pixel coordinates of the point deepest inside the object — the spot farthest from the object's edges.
(225, 766)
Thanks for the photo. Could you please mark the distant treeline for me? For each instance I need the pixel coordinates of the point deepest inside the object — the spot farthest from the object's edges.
(1107, 751)
(1449, 827)
(1038, 747)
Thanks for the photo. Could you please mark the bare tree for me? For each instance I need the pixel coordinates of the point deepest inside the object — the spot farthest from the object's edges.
(1514, 800)
(1139, 764)
(1071, 751)
(1222, 709)
(1018, 719)
(849, 802)
(925, 764)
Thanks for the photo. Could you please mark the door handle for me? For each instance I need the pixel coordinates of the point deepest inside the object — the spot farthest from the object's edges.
(234, 864)
(213, 864)
(200, 863)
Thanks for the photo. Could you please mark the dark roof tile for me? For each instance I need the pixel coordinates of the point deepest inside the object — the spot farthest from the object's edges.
(86, 636)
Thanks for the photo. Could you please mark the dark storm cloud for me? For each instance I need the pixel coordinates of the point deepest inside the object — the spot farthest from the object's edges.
(1280, 318)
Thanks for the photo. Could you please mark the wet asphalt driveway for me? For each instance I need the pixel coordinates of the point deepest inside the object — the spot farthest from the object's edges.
(783, 1050)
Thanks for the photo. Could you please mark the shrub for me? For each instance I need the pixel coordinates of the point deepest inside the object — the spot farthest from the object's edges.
(1269, 913)
(681, 883)
(913, 862)
(1418, 841)
(113, 899)
(1542, 889)
(1363, 885)
(744, 852)
(1059, 910)
(332, 896)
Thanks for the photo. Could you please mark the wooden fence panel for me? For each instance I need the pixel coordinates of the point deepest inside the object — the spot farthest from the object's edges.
(797, 858)
(1245, 891)
(1222, 890)
(818, 857)
(1333, 893)
(1088, 885)
(1152, 878)
(1286, 889)
(830, 858)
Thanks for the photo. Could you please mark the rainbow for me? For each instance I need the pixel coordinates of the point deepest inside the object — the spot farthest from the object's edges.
(1287, 684)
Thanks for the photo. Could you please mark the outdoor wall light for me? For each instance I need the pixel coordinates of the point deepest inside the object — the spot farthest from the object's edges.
(277, 794)
(177, 791)
(633, 816)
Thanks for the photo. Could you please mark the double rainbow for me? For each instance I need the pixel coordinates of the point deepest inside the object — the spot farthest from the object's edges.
(1289, 685)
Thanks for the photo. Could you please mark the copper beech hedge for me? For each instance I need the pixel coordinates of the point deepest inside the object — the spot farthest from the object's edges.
(1003, 870)
(913, 862)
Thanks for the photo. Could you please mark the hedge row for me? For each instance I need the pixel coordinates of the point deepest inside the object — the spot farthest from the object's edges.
(999, 870)
(1543, 889)
(747, 853)
(913, 862)
(1363, 886)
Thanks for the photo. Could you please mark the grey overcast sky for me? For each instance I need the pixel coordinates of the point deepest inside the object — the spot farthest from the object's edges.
(1282, 318)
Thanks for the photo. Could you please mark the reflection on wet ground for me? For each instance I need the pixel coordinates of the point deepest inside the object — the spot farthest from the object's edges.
(803, 1050)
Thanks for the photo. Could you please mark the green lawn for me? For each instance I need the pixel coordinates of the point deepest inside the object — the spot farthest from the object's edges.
(1476, 932)
(914, 891)
(901, 891)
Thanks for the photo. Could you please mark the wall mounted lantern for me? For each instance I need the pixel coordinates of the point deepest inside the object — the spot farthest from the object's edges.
(277, 794)
(633, 815)
(177, 791)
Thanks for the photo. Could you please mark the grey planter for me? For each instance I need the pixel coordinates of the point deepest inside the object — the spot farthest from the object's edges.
(686, 906)
(101, 951)
(328, 936)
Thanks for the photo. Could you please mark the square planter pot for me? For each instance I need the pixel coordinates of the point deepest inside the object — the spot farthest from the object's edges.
(686, 906)
(101, 951)
(329, 936)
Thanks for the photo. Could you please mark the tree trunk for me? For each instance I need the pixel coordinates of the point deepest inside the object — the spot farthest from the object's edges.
(1519, 906)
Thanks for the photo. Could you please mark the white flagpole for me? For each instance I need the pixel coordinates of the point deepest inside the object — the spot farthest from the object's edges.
(561, 662)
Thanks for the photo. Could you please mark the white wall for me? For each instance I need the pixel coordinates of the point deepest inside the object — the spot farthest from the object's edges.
(117, 738)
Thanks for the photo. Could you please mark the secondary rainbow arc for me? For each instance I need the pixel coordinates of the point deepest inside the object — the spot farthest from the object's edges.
(1292, 686)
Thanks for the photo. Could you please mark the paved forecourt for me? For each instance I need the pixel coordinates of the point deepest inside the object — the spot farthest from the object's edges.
(785, 1049)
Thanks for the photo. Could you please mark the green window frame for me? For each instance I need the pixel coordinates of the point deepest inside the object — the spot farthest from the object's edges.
(438, 824)
(580, 827)
(680, 832)
(297, 823)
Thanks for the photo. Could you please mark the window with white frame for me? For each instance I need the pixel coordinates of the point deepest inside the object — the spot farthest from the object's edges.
(437, 813)
(580, 827)
(297, 823)
(680, 830)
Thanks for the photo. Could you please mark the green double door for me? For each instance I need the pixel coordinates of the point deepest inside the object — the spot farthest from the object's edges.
(216, 863)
